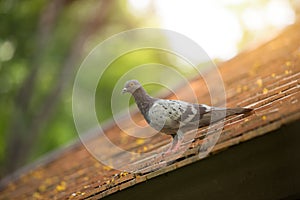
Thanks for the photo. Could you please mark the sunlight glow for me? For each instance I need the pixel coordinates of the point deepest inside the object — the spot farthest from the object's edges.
(214, 28)
(218, 26)
(280, 13)
(139, 6)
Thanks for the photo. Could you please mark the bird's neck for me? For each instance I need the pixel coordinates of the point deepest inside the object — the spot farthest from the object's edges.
(143, 100)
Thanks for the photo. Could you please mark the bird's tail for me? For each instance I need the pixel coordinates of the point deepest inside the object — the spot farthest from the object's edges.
(218, 114)
(236, 111)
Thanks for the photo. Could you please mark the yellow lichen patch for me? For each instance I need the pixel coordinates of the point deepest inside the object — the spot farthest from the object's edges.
(107, 168)
(140, 141)
(132, 158)
(37, 174)
(288, 63)
(145, 148)
(42, 188)
(48, 181)
(286, 72)
(239, 89)
(265, 91)
(245, 88)
(97, 165)
(273, 75)
(74, 194)
(80, 172)
(86, 186)
(256, 65)
(264, 117)
(123, 174)
(37, 195)
(124, 139)
(61, 187)
(259, 82)
(254, 68)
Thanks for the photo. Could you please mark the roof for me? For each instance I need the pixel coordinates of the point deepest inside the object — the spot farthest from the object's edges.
(266, 79)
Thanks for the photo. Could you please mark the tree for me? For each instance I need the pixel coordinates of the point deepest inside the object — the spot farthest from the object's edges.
(48, 47)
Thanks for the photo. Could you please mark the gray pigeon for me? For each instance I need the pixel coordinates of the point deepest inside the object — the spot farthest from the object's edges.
(174, 117)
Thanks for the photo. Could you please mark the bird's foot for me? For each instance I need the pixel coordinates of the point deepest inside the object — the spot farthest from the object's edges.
(171, 153)
(162, 156)
(171, 150)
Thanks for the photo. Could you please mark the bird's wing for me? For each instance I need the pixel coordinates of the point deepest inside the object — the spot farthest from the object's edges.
(172, 114)
(164, 114)
(196, 115)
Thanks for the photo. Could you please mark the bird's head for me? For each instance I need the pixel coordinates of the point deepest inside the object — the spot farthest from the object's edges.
(131, 86)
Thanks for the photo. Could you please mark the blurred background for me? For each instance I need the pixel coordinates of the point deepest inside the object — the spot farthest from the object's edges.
(42, 44)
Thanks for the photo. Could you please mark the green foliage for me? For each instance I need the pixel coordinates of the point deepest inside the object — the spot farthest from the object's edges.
(51, 43)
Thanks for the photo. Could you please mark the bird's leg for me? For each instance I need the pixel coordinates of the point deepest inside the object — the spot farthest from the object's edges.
(177, 140)
(175, 143)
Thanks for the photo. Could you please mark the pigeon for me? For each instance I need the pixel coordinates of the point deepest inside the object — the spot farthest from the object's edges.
(175, 117)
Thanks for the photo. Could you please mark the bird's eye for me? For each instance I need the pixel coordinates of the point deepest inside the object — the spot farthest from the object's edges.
(131, 84)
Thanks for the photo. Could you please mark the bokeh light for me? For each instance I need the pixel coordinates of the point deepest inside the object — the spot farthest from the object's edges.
(219, 26)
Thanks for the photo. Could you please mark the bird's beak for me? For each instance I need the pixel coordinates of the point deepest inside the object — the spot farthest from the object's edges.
(124, 90)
